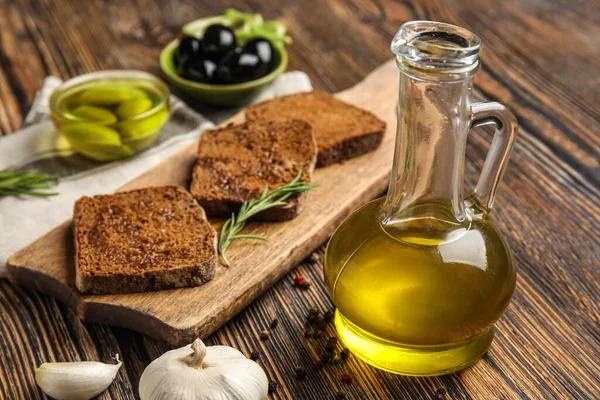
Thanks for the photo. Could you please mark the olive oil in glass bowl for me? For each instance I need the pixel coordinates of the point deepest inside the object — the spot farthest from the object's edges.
(110, 115)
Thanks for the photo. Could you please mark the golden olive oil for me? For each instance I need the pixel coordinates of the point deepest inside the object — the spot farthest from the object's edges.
(411, 302)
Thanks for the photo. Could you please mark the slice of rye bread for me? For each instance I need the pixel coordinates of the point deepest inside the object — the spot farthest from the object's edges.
(341, 130)
(236, 162)
(147, 239)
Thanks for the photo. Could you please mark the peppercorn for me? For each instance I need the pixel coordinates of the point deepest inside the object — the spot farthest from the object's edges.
(318, 332)
(300, 373)
(298, 280)
(328, 316)
(305, 285)
(329, 347)
(318, 365)
(274, 323)
(440, 394)
(308, 333)
(347, 378)
(272, 387)
(321, 323)
(340, 395)
(264, 335)
(345, 354)
(311, 318)
(326, 357)
(254, 356)
(314, 310)
(333, 340)
(314, 258)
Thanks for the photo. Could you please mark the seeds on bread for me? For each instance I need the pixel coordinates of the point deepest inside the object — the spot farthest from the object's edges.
(342, 131)
(147, 239)
(236, 162)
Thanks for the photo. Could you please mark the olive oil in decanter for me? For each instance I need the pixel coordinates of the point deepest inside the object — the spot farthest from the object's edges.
(417, 304)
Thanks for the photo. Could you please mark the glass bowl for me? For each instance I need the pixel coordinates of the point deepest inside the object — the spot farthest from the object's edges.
(110, 115)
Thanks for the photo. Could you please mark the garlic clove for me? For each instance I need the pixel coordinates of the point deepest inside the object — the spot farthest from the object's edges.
(76, 380)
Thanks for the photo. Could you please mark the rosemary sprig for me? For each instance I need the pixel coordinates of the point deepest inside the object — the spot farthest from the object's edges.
(30, 183)
(275, 198)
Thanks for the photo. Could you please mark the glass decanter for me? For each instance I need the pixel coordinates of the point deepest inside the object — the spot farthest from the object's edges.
(420, 277)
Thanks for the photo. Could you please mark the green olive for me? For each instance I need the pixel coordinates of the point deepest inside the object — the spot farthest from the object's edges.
(95, 141)
(133, 107)
(107, 95)
(71, 102)
(88, 135)
(97, 114)
(106, 152)
(142, 142)
(143, 127)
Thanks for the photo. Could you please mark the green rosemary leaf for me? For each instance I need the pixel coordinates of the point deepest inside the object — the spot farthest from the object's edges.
(27, 183)
(221, 245)
(41, 185)
(225, 260)
(268, 199)
(10, 182)
(249, 236)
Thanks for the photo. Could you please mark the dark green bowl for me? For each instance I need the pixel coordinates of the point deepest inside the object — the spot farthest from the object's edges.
(222, 95)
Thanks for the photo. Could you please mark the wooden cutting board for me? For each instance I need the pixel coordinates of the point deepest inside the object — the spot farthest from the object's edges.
(178, 316)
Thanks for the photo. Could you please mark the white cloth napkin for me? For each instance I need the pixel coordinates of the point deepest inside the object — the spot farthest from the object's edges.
(24, 219)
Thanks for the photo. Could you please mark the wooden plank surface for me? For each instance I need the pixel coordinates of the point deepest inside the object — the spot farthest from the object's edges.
(47, 265)
(540, 57)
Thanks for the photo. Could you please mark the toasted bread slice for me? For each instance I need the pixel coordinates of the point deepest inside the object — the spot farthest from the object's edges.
(341, 130)
(235, 164)
(146, 239)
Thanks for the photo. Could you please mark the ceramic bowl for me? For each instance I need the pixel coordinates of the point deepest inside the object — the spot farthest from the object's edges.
(221, 95)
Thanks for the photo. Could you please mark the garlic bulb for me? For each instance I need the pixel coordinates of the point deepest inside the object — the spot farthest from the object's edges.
(76, 380)
(197, 372)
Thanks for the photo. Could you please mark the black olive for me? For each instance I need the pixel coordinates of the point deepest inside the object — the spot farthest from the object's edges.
(239, 66)
(189, 48)
(200, 69)
(263, 49)
(217, 41)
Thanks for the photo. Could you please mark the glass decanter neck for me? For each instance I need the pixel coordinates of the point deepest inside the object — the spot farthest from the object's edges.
(425, 197)
(437, 51)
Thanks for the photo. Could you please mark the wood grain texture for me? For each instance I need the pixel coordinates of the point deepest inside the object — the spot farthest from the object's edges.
(540, 57)
(47, 265)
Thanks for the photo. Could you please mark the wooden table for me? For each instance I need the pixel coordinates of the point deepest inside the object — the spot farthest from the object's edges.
(541, 57)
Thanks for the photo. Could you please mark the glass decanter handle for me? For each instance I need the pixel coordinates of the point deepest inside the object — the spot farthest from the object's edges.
(502, 143)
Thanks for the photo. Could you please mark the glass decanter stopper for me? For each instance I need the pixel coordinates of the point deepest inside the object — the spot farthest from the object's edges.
(420, 277)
